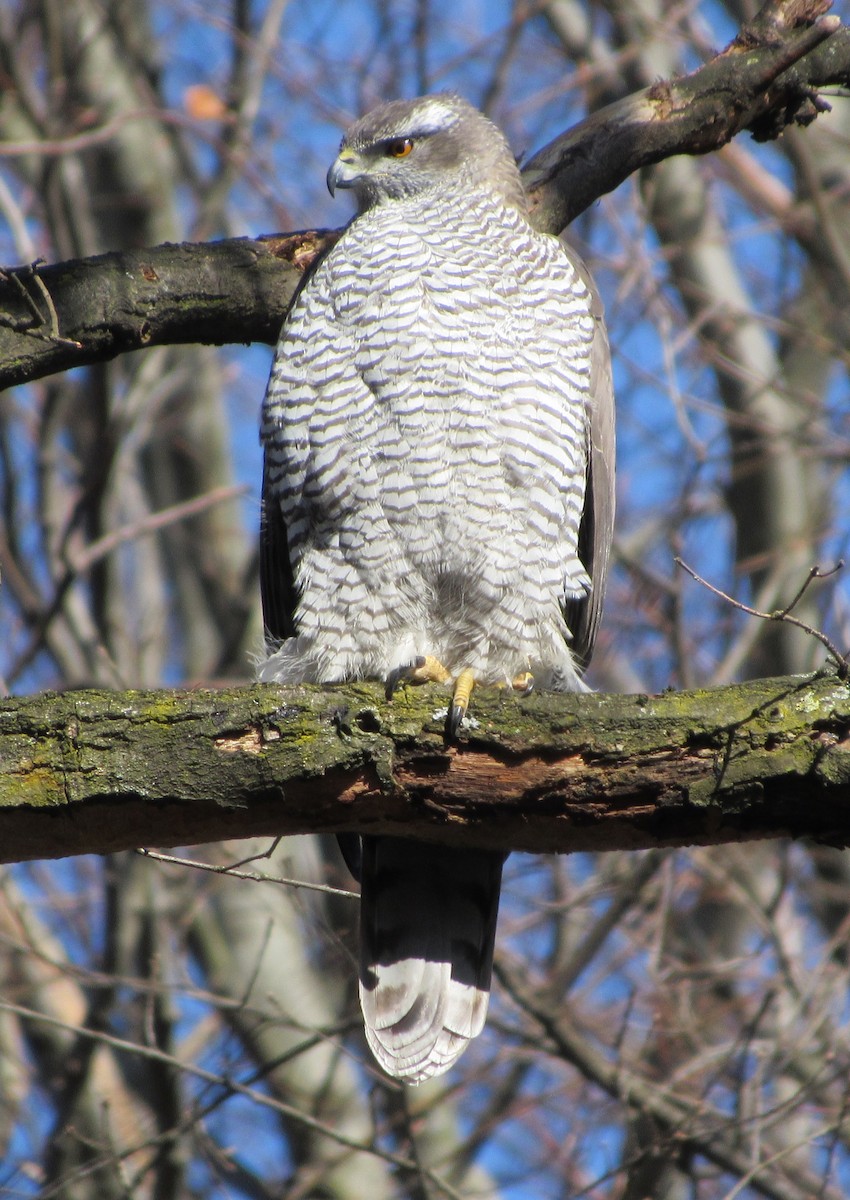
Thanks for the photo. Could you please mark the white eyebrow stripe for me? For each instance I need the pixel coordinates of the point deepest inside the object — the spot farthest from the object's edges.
(429, 118)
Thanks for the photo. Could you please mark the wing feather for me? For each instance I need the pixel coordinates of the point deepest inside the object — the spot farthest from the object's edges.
(277, 586)
(597, 524)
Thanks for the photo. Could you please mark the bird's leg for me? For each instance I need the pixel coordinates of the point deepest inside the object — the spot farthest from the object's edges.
(464, 684)
(424, 669)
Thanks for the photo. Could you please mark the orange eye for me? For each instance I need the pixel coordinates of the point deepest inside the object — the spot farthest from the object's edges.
(399, 147)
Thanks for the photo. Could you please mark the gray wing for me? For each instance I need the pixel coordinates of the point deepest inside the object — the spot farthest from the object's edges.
(279, 597)
(597, 524)
(278, 593)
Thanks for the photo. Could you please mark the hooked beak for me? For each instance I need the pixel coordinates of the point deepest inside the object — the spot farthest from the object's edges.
(344, 172)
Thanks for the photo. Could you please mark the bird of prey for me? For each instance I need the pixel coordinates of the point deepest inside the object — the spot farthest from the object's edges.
(437, 504)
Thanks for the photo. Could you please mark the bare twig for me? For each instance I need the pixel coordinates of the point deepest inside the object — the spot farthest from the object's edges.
(224, 869)
(234, 1087)
(784, 614)
(152, 523)
(15, 276)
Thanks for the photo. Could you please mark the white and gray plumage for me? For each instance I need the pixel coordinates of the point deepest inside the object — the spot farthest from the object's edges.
(438, 433)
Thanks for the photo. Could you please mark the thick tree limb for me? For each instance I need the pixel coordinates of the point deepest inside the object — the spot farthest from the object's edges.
(90, 310)
(766, 80)
(102, 771)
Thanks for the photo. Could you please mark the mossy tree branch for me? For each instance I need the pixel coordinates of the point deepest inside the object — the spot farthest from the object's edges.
(103, 771)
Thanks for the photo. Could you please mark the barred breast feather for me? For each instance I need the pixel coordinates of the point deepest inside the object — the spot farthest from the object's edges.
(426, 438)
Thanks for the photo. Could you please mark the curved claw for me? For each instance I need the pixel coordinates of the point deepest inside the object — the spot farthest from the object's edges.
(398, 674)
(423, 669)
(454, 720)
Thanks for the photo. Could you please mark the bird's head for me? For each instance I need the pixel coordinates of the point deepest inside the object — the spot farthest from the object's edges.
(411, 147)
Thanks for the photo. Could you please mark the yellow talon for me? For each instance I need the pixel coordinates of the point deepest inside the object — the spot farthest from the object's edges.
(427, 669)
(464, 684)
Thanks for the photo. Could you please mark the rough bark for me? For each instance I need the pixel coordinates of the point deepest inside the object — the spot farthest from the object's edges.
(99, 771)
(92, 309)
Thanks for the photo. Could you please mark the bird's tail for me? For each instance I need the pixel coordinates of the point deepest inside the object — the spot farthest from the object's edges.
(427, 927)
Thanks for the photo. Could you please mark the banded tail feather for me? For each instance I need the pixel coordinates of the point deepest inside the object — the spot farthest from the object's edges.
(427, 929)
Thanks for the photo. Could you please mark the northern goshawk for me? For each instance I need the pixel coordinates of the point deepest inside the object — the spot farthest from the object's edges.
(437, 504)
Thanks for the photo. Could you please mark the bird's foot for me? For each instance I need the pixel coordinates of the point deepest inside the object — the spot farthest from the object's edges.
(424, 669)
(427, 669)
(523, 683)
(465, 682)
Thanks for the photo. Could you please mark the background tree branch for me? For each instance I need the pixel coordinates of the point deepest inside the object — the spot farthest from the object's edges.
(238, 290)
(101, 771)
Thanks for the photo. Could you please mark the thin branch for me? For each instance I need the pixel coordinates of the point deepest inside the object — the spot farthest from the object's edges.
(95, 551)
(233, 873)
(685, 1119)
(784, 614)
(233, 1087)
(814, 573)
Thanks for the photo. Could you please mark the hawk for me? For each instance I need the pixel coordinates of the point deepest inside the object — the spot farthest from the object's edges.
(437, 504)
